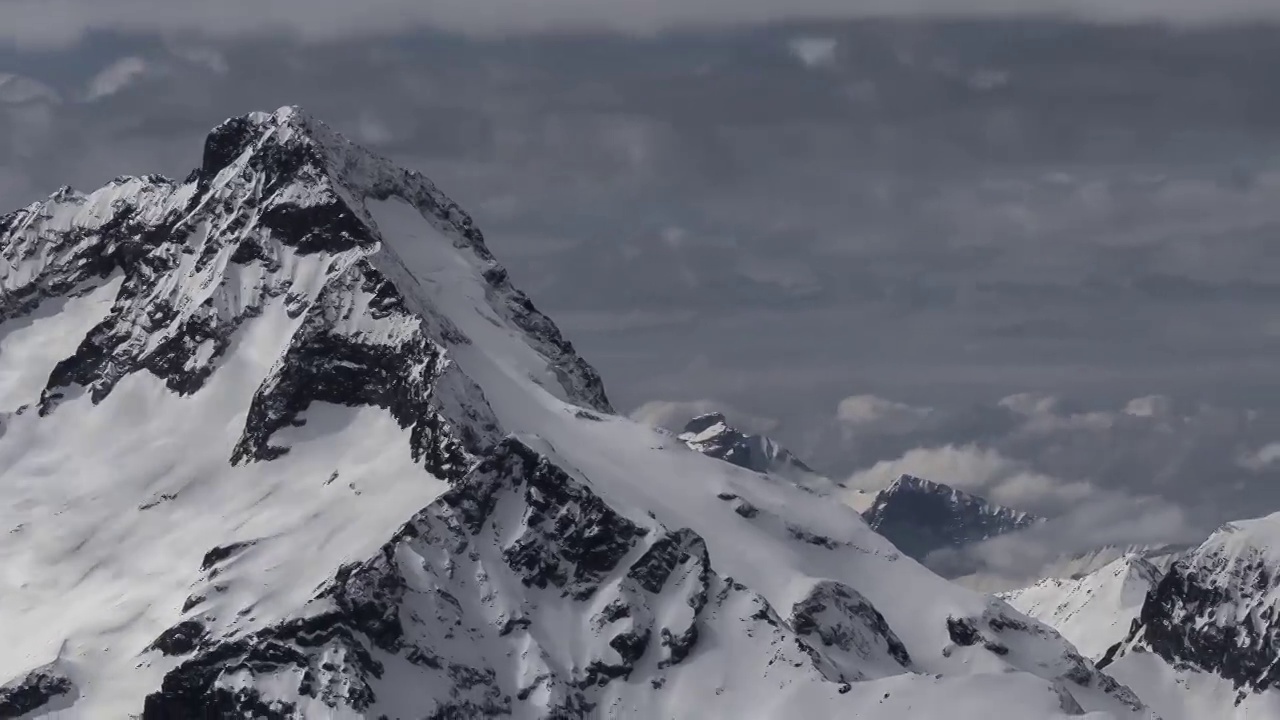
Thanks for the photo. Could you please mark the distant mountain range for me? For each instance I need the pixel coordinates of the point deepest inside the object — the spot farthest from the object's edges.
(917, 515)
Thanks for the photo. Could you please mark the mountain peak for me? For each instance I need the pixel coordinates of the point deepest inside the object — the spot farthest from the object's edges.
(712, 435)
(704, 422)
(282, 440)
(907, 483)
(921, 516)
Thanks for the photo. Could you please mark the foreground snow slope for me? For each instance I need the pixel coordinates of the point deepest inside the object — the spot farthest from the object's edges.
(282, 440)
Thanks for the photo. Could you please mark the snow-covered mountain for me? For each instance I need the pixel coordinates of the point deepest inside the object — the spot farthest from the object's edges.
(712, 435)
(282, 440)
(920, 516)
(1092, 611)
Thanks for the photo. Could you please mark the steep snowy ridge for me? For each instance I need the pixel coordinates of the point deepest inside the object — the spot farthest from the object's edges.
(1093, 611)
(308, 453)
(920, 516)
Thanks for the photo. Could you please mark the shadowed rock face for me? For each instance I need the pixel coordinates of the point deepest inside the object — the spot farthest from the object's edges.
(516, 516)
(919, 517)
(38, 689)
(1217, 609)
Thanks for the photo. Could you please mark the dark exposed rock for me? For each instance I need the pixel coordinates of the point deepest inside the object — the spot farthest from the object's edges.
(326, 366)
(919, 517)
(1178, 621)
(33, 691)
(841, 620)
(812, 538)
(180, 639)
(222, 552)
(655, 566)
(963, 632)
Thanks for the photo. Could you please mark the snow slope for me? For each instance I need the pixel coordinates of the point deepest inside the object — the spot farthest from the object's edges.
(1094, 612)
(282, 440)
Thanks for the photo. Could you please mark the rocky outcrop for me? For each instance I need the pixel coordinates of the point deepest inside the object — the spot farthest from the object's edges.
(431, 599)
(39, 690)
(1217, 610)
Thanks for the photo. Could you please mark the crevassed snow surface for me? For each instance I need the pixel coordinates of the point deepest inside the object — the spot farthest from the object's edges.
(268, 317)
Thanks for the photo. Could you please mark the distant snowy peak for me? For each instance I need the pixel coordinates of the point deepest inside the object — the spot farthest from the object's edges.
(712, 435)
(920, 516)
(1094, 611)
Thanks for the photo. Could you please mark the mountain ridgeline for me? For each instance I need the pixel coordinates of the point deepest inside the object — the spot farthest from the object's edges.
(282, 440)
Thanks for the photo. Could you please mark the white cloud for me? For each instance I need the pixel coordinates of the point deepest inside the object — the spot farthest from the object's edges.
(981, 471)
(1031, 404)
(115, 77)
(1268, 456)
(884, 414)
(1151, 406)
(19, 90)
(1108, 519)
(815, 51)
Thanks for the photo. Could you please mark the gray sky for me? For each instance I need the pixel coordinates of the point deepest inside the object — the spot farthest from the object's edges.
(861, 236)
(60, 22)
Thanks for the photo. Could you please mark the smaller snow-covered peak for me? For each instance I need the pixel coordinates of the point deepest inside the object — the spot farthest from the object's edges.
(920, 516)
(704, 423)
(712, 435)
(1095, 611)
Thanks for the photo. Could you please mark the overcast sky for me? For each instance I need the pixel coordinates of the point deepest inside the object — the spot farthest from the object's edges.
(1033, 258)
(62, 22)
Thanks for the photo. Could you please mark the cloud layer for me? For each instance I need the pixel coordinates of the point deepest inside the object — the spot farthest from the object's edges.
(60, 22)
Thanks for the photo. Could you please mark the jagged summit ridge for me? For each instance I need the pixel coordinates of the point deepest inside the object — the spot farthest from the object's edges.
(272, 189)
(921, 516)
(281, 441)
